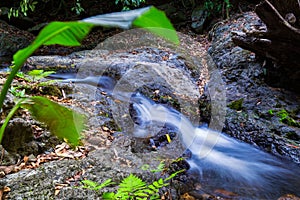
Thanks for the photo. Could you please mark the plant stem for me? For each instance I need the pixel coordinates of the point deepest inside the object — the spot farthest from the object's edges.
(7, 84)
(9, 116)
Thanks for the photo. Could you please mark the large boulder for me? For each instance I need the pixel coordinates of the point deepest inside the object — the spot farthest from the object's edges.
(12, 39)
(257, 113)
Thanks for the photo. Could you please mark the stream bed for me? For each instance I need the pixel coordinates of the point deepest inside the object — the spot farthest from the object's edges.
(144, 92)
(218, 160)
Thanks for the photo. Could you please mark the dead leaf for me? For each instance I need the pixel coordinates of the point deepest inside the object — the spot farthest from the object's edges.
(6, 189)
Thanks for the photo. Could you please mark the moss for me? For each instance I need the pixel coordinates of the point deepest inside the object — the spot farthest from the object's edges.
(236, 105)
(285, 117)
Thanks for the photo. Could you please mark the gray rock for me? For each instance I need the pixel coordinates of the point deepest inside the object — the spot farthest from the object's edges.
(199, 18)
(12, 39)
(244, 78)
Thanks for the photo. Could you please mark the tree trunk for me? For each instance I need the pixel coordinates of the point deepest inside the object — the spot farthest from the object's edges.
(280, 42)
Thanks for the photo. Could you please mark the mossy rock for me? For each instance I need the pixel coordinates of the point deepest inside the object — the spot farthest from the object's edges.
(236, 105)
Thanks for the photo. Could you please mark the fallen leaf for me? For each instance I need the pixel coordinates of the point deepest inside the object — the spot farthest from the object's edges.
(6, 189)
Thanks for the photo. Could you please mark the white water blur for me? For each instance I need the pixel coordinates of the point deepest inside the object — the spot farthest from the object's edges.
(222, 161)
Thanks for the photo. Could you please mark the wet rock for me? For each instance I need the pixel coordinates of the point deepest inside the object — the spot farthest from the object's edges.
(199, 18)
(116, 162)
(17, 136)
(289, 197)
(8, 158)
(7, 104)
(244, 78)
(12, 39)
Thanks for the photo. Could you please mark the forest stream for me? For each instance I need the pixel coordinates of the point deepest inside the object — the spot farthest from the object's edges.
(218, 160)
(137, 91)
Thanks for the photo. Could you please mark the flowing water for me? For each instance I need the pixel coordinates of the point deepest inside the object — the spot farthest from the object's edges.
(220, 161)
(224, 162)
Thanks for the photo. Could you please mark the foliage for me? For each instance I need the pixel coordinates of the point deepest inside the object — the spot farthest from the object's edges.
(127, 4)
(34, 75)
(68, 34)
(159, 168)
(23, 8)
(52, 114)
(217, 7)
(26, 6)
(153, 21)
(285, 117)
(9, 116)
(91, 185)
(133, 187)
(77, 7)
(236, 105)
(38, 74)
(14, 91)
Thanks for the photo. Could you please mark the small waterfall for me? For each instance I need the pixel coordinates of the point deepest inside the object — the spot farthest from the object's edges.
(222, 161)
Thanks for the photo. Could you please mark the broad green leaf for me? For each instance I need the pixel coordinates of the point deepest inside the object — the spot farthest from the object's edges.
(157, 22)
(63, 33)
(149, 18)
(72, 33)
(35, 72)
(61, 121)
(122, 20)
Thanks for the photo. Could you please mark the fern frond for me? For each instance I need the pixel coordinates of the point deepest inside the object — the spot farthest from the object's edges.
(132, 183)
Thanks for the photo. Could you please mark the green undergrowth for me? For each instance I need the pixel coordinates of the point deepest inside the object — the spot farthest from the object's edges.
(132, 187)
(236, 105)
(285, 117)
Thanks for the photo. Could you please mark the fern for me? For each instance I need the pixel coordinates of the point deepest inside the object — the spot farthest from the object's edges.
(133, 187)
(88, 184)
(129, 187)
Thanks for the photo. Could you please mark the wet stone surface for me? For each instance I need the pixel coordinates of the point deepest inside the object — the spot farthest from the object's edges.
(115, 153)
(258, 121)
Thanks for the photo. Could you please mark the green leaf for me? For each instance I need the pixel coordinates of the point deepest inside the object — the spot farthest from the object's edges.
(157, 22)
(161, 181)
(149, 18)
(153, 188)
(140, 194)
(159, 168)
(72, 33)
(35, 72)
(61, 121)
(63, 33)
(131, 184)
(173, 175)
(89, 184)
(148, 191)
(145, 167)
(108, 196)
(122, 20)
(156, 184)
(104, 184)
